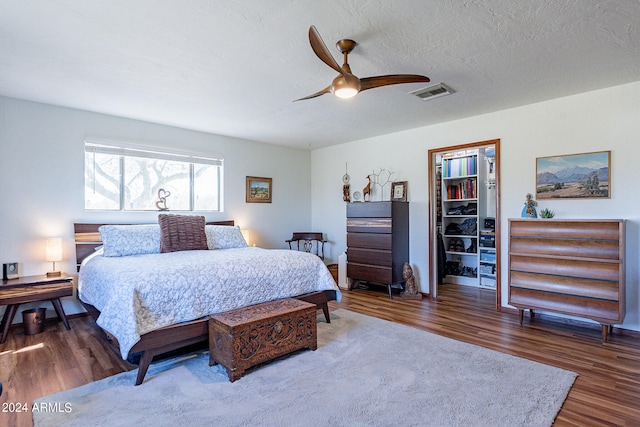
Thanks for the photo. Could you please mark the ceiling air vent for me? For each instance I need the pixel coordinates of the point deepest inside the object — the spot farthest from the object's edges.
(432, 92)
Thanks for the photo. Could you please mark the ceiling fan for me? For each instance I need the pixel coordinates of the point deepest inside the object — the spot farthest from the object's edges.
(347, 85)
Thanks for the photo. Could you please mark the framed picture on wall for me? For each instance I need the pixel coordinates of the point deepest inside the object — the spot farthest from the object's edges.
(574, 176)
(399, 191)
(258, 190)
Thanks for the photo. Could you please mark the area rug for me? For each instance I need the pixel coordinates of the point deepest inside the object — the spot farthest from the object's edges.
(365, 372)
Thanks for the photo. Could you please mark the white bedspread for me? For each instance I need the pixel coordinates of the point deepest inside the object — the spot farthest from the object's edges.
(140, 293)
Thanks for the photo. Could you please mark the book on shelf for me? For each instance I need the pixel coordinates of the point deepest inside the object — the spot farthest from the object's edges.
(458, 167)
(462, 190)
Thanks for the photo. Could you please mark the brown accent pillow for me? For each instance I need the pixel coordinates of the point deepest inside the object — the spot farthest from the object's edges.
(182, 233)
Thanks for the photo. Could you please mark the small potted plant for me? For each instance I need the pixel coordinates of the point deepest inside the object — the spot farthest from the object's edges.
(546, 213)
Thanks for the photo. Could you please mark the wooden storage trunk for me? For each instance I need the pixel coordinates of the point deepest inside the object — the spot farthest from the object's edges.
(248, 336)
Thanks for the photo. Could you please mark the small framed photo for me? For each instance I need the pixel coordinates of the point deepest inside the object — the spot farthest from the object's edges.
(258, 190)
(10, 271)
(399, 191)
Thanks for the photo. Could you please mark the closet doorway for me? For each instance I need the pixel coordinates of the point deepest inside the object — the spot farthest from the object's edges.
(464, 218)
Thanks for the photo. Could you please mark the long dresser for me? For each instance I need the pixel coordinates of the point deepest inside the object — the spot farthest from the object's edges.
(573, 267)
(377, 243)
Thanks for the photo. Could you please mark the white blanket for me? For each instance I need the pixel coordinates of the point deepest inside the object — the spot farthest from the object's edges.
(138, 294)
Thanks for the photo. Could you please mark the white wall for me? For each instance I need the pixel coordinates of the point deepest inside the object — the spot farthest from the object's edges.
(42, 181)
(606, 119)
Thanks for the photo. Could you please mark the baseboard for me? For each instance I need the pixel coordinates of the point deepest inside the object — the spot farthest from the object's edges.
(77, 315)
(509, 310)
(52, 319)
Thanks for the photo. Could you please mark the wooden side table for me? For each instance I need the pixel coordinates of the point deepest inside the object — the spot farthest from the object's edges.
(14, 292)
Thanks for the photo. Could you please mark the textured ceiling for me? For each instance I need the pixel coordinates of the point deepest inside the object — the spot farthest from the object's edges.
(233, 67)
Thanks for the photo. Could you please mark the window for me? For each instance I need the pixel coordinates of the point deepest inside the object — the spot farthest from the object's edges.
(118, 177)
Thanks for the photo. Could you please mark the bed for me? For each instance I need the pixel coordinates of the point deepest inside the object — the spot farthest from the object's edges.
(149, 303)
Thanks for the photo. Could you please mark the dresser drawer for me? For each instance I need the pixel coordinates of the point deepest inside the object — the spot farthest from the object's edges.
(369, 241)
(369, 256)
(369, 273)
(369, 225)
(599, 310)
(369, 210)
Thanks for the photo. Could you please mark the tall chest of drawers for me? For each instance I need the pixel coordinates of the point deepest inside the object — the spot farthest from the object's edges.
(377, 242)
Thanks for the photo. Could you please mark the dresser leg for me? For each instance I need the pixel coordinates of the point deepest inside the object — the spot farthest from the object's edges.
(7, 319)
(605, 332)
(521, 315)
(389, 290)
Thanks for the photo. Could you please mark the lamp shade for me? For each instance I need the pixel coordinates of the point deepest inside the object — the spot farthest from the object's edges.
(54, 249)
(345, 86)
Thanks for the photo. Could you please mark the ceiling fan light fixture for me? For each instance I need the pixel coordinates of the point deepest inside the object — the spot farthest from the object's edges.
(345, 92)
(345, 87)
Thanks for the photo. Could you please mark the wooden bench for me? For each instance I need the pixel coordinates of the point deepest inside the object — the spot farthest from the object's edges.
(242, 338)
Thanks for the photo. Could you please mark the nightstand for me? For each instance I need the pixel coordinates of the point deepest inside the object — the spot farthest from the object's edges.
(14, 292)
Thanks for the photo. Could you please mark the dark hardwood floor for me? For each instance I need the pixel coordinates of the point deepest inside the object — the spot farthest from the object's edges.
(606, 393)
(32, 366)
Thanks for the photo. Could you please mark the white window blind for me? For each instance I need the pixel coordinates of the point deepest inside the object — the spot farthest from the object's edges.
(121, 176)
(146, 152)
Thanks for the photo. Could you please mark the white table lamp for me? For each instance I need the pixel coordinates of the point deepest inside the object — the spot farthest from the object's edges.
(54, 254)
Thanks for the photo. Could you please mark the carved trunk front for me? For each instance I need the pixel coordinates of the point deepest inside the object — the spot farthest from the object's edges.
(248, 336)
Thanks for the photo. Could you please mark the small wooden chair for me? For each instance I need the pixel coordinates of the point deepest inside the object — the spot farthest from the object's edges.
(309, 241)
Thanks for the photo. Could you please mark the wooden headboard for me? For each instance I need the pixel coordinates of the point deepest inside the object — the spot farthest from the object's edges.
(87, 238)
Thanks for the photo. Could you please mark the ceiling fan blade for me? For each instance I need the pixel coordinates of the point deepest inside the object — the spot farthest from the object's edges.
(315, 95)
(391, 79)
(321, 50)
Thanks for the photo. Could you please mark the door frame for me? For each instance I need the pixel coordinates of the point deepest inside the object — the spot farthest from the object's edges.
(433, 253)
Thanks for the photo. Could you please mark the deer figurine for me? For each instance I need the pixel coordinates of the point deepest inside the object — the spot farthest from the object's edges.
(367, 190)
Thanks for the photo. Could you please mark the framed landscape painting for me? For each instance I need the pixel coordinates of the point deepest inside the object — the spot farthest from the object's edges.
(574, 176)
(258, 190)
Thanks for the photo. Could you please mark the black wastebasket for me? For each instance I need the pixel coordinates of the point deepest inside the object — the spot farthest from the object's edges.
(33, 320)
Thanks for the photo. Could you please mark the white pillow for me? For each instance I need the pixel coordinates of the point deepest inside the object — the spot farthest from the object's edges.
(224, 237)
(137, 239)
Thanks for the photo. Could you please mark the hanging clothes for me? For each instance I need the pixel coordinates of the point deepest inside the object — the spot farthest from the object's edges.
(442, 259)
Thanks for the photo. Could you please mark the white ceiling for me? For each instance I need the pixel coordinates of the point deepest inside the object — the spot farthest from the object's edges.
(233, 67)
